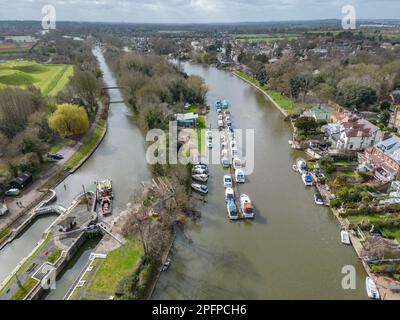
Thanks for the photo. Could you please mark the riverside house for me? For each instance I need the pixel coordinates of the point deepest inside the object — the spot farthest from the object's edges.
(351, 133)
(383, 159)
(395, 115)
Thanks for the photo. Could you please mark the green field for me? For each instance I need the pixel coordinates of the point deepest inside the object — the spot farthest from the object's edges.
(50, 79)
(119, 263)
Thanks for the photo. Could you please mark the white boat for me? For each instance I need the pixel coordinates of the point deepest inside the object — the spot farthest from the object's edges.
(344, 237)
(233, 144)
(239, 176)
(227, 181)
(220, 117)
(294, 167)
(232, 210)
(246, 206)
(318, 199)
(209, 134)
(200, 188)
(229, 194)
(301, 165)
(199, 171)
(222, 137)
(372, 289)
(307, 179)
(209, 145)
(220, 124)
(290, 142)
(234, 152)
(236, 163)
(200, 177)
(224, 146)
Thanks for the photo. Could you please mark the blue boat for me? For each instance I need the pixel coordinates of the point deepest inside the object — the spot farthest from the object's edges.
(232, 210)
(225, 104)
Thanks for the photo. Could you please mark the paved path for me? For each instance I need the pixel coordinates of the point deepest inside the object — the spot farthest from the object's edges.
(31, 196)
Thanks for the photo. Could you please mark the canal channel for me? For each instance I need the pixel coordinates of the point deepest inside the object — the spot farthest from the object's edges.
(292, 249)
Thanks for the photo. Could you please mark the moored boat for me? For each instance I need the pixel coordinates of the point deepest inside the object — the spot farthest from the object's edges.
(227, 181)
(199, 171)
(225, 162)
(104, 189)
(200, 177)
(372, 289)
(239, 176)
(307, 179)
(344, 237)
(301, 165)
(246, 206)
(200, 188)
(318, 199)
(229, 194)
(232, 210)
(294, 167)
(236, 163)
(106, 206)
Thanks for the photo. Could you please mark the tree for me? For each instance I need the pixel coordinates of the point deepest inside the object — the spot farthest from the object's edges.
(69, 119)
(261, 75)
(356, 96)
(306, 123)
(86, 86)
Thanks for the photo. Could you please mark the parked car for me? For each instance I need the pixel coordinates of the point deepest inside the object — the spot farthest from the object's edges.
(12, 192)
(56, 156)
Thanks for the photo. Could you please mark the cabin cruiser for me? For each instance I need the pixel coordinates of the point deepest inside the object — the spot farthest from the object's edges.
(201, 166)
(224, 145)
(225, 104)
(236, 163)
(226, 112)
(232, 210)
(294, 167)
(301, 165)
(239, 176)
(220, 124)
(200, 177)
(229, 194)
(307, 179)
(199, 171)
(200, 188)
(372, 289)
(246, 206)
(209, 145)
(220, 117)
(344, 237)
(227, 181)
(318, 199)
(233, 144)
(209, 135)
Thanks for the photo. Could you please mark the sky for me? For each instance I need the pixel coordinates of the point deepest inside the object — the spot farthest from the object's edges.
(196, 11)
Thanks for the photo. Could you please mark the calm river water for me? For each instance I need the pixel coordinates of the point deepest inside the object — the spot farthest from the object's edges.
(292, 250)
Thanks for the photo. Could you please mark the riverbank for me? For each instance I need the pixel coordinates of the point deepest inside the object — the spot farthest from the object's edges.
(252, 83)
(344, 223)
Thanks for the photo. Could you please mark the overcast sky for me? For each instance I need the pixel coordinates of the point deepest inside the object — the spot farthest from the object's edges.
(197, 11)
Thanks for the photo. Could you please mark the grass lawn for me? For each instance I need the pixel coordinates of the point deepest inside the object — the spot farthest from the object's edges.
(5, 233)
(54, 256)
(87, 146)
(119, 263)
(284, 102)
(50, 79)
(348, 173)
(251, 79)
(26, 288)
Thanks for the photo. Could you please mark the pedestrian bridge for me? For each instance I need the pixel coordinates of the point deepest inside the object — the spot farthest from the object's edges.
(58, 209)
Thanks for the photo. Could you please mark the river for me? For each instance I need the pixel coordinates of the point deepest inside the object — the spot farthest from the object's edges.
(292, 249)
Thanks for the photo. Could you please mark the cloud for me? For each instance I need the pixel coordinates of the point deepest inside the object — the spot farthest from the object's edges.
(195, 10)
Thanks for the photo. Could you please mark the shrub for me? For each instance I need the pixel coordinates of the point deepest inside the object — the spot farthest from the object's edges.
(335, 203)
